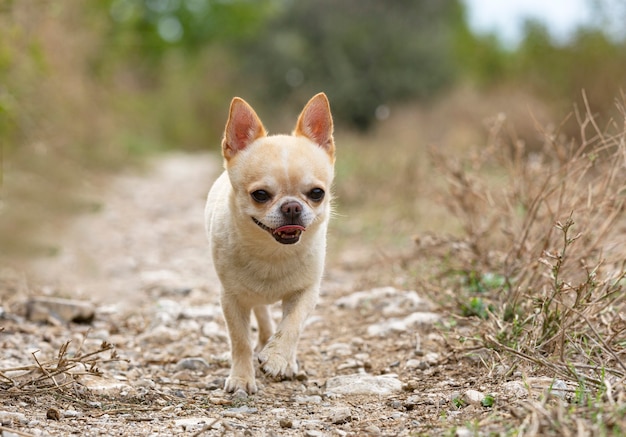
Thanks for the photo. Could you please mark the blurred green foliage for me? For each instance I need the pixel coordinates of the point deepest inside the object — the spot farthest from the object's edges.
(364, 53)
(151, 28)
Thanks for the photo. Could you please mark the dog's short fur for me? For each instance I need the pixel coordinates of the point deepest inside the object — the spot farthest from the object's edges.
(266, 219)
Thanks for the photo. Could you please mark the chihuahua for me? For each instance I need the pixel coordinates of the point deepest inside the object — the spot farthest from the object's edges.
(266, 220)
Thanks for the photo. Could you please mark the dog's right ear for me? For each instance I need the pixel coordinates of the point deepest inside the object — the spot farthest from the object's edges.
(242, 128)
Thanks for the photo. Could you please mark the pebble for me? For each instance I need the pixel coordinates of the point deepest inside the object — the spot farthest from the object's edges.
(48, 309)
(415, 364)
(244, 409)
(390, 297)
(314, 399)
(463, 432)
(195, 364)
(372, 430)
(363, 384)
(340, 415)
(214, 330)
(9, 418)
(104, 386)
(516, 389)
(161, 335)
(53, 414)
(286, 423)
(192, 423)
(402, 325)
(339, 350)
(205, 312)
(559, 388)
(412, 402)
(473, 397)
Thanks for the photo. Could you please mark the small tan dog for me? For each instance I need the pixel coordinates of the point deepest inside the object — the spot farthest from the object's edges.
(266, 219)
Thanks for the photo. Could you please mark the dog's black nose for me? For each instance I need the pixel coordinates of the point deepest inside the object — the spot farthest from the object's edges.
(291, 210)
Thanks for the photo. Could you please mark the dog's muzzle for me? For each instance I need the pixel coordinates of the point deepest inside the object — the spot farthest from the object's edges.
(286, 234)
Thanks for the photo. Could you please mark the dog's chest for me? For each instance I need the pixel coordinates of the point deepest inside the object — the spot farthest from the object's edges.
(270, 278)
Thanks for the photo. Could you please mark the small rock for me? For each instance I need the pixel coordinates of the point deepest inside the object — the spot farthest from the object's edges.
(402, 325)
(396, 404)
(53, 414)
(431, 358)
(206, 312)
(244, 409)
(412, 401)
(161, 335)
(363, 384)
(372, 430)
(72, 413)
(416, 364)
(516, 389)
(240, 395)
(313, 433)
(394, 301)
(47, 309)
(193, 423)
(214, 330)
(463, 432)
(559, 388)
(410, 385)
(286, 423)
(340, 415)
(473, 397)
(315, 399)
(219, 401)
(103, 385)
(194, 363)
(145, 383)
(339, 350)
(8, 418)
(350, 364)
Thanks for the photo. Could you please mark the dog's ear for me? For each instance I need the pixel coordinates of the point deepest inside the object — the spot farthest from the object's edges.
(242, 128)
(316, 123)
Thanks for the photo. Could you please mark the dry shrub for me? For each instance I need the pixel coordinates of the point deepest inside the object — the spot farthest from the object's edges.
(543, 257)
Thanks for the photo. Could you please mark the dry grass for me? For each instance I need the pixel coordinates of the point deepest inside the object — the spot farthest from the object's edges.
(540, 269)
(59, 374)
(522, 242)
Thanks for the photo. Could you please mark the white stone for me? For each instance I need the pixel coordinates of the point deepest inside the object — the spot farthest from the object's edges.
(404, 324)
(473, 397)
(340, 415)
(103, 385)
(363, 384)
(515, 389)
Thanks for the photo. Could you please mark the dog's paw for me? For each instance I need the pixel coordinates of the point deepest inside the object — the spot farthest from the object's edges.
(235, 384)
(276, 365)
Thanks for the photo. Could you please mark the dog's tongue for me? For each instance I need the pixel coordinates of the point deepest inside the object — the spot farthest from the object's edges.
(289, 228)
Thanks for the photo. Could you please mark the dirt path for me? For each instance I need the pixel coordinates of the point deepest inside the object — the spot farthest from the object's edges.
(374, 362)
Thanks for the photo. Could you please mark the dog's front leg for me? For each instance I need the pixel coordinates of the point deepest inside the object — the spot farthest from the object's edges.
(278, 357)
(238, 321)
(265, 324)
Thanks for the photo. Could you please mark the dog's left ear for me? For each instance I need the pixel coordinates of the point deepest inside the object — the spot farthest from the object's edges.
(316, 123)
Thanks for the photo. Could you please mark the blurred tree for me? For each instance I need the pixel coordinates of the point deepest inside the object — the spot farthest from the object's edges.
(591, 61)
(365, 54)
(151, 28)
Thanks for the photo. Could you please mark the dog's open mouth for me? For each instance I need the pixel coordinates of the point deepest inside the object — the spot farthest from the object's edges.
(287, 234)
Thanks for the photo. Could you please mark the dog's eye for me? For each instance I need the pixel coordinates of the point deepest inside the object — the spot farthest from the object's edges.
(261, 196)
(316, 194)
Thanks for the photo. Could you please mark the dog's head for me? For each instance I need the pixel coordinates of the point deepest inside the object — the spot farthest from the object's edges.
(281, 183)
